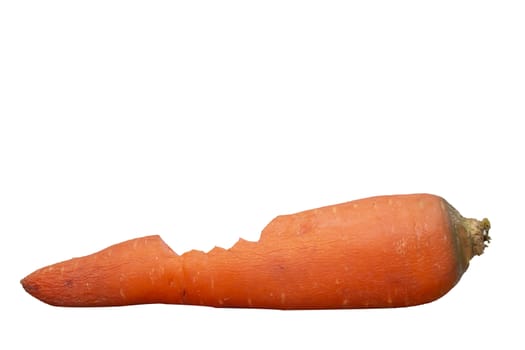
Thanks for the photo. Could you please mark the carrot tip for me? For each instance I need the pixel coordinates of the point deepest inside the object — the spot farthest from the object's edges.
(31, 288)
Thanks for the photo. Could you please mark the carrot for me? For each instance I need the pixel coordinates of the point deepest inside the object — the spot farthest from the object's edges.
(387, 251)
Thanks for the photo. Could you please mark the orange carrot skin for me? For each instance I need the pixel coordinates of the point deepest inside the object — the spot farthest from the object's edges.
(387, 251)
(139, 271)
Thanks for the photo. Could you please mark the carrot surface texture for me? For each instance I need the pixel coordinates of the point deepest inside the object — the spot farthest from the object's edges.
(386, 251)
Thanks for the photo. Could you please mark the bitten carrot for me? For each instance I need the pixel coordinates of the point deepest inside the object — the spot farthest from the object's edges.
(387, 251)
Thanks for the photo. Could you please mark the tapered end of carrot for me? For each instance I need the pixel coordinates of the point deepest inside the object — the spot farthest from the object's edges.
(30, 286)
(139, 271)
(59, 284)
(48, 285)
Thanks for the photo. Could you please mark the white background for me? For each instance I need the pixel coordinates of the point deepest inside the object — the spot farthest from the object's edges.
(202, 120)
